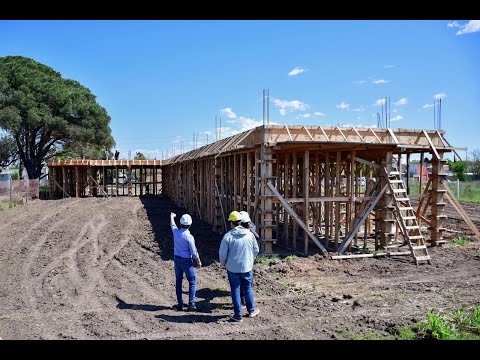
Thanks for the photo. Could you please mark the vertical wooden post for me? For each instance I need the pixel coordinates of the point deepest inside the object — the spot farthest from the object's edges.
(306, 202)
(266, 200)
(77, 181)
(337, 203)
(248, 177)
(408, 173)
(317, 220)
(288, 184)
(294, 194)
(420, 189)
(326, 190)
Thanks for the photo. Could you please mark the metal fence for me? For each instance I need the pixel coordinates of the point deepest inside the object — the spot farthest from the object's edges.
(15, 191)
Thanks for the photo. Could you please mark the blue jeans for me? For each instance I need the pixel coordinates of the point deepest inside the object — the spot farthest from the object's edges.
(245, 280)
(183, 265)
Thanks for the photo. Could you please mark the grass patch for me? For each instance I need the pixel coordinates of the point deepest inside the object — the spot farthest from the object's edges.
(458, 241)
(267, 259)
(463, 324)
(289, 258)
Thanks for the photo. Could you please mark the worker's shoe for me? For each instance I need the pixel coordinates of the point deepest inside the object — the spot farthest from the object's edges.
(178, 307)
(253, 313)
(235, 318)
(192, 307)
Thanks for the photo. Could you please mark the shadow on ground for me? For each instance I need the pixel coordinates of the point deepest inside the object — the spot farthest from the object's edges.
(158, 210)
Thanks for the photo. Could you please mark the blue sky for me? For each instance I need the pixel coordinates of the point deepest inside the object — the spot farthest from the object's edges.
(163, 81)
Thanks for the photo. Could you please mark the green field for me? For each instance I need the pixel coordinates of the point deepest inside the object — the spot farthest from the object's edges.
(469, 190)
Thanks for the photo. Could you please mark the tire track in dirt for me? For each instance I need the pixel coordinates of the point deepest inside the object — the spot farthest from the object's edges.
(39, 224)
(28, 279)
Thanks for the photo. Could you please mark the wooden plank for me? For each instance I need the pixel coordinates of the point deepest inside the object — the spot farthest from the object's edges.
(99, 187)
(342, 135)
(294, 194)
(456, 204)
(288, 131)
(324, 133)
(373, 132)
(393, 136)
(337, 192)
(359, 223)
(306, 188)
(296, 217)
(319, 199)
(431, 145)
(360, 136)
(61, 188)
(366, 162)
(221, 206)
(311, 138)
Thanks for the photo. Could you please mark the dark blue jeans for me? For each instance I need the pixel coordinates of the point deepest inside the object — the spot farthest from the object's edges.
(244, 280)
(183, 265)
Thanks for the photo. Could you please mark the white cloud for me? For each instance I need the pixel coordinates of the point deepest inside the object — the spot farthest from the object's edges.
(379, 102)
(394, 110)
(396, 118)
(426, 106)
(318, 113)
(388, 66)
(306, 116)
(228, 113)
(440, 96)
(380, 81)
(359, 82)
(402, 101)
(343, 105)
(360, 109)
(296, 71)
(454, 24)
(285, 106)
(470, 27)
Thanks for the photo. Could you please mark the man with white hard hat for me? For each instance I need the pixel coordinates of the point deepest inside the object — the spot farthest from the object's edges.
(185, 260)
(237, 253)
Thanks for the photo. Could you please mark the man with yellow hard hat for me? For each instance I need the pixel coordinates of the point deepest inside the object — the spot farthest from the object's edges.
(237, 253)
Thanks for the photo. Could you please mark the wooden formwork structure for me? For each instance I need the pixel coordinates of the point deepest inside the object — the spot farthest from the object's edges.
(302, 185)
(81, 178)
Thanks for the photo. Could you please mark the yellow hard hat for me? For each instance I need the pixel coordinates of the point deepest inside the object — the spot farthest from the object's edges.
(235, 216)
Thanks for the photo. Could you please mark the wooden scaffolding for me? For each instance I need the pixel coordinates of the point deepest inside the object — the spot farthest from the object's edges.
(329, 187)
(81, 178)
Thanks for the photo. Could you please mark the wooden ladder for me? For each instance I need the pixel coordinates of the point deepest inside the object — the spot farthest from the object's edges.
(407, 219)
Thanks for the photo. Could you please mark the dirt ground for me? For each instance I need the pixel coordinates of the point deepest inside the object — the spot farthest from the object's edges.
(98, 268)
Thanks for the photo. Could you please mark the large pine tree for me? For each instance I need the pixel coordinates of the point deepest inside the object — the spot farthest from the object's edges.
(45, 113)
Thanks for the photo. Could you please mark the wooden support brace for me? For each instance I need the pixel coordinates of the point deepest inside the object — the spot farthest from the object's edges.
(296, 217)
(456, 204)
(359, 223)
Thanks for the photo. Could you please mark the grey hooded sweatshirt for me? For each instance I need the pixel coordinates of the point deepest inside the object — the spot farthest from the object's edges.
(238, 250)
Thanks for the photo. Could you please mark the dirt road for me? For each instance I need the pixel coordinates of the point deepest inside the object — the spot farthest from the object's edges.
(103, 269)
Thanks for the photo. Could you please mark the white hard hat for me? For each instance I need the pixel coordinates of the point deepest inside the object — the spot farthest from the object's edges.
(186, 219)
(245, 217)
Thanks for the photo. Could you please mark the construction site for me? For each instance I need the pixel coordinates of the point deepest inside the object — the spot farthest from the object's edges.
(308, 188)
(335, 211)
